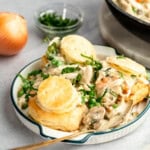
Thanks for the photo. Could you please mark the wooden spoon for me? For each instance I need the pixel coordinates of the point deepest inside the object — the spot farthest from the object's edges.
(48, 142)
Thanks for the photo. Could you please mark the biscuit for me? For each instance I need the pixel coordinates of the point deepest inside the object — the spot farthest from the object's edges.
(126, 65)
(72, 46)
(139, 91)
(69, 121)
(56, 94)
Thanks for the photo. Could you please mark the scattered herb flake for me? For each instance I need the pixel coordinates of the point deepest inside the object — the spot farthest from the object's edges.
(113, 93)
(56, 62)
(77, 79)
(120, 56)
(69, 69)
(94, 63)
(148, 75)
(115, 105)
(133, 76)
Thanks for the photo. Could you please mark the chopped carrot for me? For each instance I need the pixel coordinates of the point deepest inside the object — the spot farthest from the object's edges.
(141, 1)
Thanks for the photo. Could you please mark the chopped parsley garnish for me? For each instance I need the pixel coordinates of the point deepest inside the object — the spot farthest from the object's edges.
(115, 105)
(148, 75)
(69, 69)
(90, 96)
(94, 63)
(52, 51)
(55, 20)
(121, 75)
(113, 93)
(38, 72)
(107, 71)
(27, 88)
(51, 54)
(102, 96)
(120, 57)
(24, 105)
(134, 9)
(35, 72)
(44, 76)
(133, 76)
(148, 97)
(56, 63)
(77, 80)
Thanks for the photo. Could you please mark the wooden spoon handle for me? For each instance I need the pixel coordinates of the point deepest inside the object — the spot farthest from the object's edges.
(48, 142)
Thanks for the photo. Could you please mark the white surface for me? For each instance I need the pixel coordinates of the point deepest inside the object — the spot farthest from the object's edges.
(124, 41)
(12, 132)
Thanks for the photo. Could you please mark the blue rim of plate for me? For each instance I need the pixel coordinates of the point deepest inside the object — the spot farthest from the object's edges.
(84, 139)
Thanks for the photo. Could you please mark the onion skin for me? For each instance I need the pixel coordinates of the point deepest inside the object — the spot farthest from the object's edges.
(13, 33)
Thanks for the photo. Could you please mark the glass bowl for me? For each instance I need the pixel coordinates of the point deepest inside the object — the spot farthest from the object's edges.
(60, 14)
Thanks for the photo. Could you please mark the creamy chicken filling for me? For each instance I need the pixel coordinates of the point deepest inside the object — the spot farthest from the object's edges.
(137, 8)
(103, 89)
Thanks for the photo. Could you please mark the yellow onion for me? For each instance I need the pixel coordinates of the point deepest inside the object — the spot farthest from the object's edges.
(13, 33)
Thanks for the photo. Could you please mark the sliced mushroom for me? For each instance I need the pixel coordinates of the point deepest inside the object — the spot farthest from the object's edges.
(93, 117)
(112, 123)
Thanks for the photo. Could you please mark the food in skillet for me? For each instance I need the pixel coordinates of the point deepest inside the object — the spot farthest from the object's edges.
(137, 8)
(74, 90)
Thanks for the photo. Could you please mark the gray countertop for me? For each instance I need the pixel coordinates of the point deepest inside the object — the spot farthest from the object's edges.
(12, 132)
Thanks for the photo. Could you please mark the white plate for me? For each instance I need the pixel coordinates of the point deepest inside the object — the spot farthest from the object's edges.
(91, 138)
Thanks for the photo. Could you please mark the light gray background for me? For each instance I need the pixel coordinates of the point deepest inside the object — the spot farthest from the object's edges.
(12, 132)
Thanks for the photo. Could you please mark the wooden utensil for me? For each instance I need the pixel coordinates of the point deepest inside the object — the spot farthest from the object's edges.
(53, 141)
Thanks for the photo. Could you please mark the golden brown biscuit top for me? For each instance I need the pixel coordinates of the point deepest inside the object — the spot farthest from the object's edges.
(55, 93)
(72, 46)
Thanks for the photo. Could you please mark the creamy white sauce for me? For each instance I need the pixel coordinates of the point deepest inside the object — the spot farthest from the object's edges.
(139, 9)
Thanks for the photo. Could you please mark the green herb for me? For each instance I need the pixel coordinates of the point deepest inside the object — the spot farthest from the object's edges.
(148, 75)
(56, 20)
(55, 62)
(120, 56)
(99, 99)
(69, 70)
(115, 106)
(52, 51)
(90, 96)
(46, 39)
(27, 84)
(134, 9)
(133, 76)
(44, 76)
(121, 75)
(24, 105)
(107, 71)
(34, 72)
(148, 97)
(94, 63)
(77, 79)
(113, 93)
(21, 93)
(95, 75)
(27, 87)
